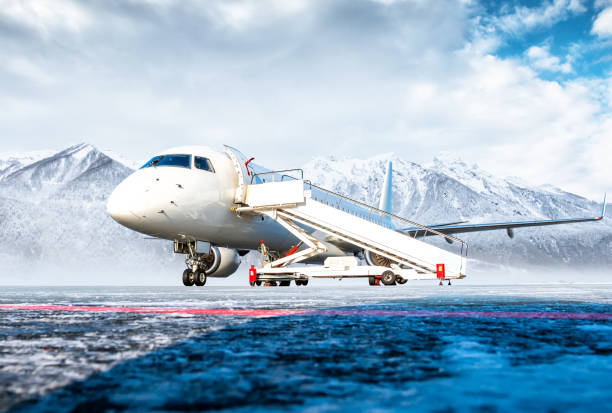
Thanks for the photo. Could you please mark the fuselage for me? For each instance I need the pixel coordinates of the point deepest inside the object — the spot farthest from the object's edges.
(191, 199)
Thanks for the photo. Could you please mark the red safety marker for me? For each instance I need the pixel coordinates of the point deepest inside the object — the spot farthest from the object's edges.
(252, 274)
(440, 271)
(292, 250)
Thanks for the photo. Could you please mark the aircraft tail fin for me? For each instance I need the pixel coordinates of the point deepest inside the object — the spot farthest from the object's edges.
(386, 196)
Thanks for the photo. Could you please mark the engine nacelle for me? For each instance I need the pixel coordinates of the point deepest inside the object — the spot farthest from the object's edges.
(225, 262)
(377, 260)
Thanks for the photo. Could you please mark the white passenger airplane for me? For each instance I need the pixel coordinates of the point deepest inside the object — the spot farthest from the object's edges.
(209, 204)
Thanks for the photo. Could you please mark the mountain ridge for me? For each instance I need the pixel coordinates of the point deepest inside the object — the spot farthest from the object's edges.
(72, 229)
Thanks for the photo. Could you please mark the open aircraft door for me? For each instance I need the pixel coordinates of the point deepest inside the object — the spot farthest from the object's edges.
(242, 171)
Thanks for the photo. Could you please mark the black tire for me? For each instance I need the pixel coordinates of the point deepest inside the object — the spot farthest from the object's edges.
(401, 281)
(298, 282)
(258, 283)
(305, 282)
(285, 283)
(188, 278)
(199, 278)
(272, 283)
(372, 281)
(388, 278)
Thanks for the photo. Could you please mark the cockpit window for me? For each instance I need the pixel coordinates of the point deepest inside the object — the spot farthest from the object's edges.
(183, 161)
(204, 164)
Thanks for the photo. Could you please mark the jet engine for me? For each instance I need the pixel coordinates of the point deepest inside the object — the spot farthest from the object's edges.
(218, 261)
(377, 260)
(223, 262)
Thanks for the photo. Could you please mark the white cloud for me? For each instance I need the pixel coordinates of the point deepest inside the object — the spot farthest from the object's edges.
(600, 4)
(503, 116)
(540, 58)
(523, 19)
(242, 14)
(602, 26)
(355, 77)
(46, 15)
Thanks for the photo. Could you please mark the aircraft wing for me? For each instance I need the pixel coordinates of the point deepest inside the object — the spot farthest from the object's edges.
(508, 226)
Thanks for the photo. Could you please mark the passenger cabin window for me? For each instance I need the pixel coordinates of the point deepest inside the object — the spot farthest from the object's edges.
(182, 161)
(204, 164)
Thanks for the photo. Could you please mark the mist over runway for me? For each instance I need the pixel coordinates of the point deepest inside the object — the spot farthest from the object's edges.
(361, 348)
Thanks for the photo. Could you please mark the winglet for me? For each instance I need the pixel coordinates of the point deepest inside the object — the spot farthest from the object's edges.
(603, 208)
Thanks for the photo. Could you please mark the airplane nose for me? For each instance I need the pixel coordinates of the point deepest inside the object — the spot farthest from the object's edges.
(119, 206)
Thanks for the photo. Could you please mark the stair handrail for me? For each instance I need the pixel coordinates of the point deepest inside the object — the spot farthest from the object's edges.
(259, 174)
(390, 215)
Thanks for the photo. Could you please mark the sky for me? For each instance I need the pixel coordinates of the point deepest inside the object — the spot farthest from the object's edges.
(522, 88)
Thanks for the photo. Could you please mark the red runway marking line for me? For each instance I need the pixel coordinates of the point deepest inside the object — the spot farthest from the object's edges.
(152, 310)
(558, 315)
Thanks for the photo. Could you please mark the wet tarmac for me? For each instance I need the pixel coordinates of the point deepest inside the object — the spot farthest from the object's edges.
(425, 348)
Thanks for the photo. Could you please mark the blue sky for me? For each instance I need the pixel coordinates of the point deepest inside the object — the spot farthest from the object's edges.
(567, 35)
(521, 88)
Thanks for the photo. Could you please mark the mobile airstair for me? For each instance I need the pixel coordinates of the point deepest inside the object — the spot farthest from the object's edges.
(301, 207)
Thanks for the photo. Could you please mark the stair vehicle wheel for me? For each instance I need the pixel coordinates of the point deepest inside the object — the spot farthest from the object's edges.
(372, 280)
(199, 278)
(285, 283)
(388, 278)
(188, 278)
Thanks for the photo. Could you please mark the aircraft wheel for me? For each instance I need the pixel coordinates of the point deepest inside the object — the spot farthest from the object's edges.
(188, 278)
(285, 283)
(401, 280)
(388, 278)
(199, 278)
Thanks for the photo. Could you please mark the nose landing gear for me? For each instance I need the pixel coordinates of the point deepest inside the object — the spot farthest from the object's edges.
(198, 264)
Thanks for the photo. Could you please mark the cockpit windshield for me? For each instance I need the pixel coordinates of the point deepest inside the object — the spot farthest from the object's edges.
(182, 161)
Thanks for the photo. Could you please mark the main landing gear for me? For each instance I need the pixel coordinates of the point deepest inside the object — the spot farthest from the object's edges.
(198, 263)
(191, 278)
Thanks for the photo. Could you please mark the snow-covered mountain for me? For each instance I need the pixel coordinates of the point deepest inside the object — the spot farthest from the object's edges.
(13, 161)
(449, 190)
(53, 215)
(52, 212)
